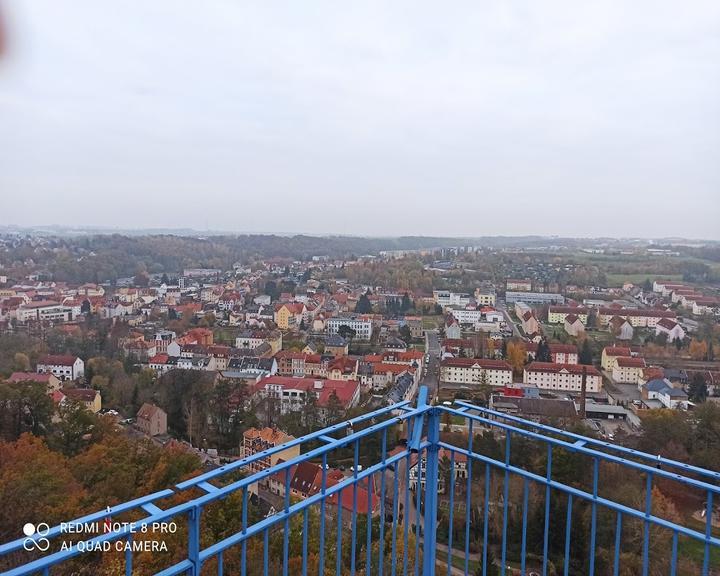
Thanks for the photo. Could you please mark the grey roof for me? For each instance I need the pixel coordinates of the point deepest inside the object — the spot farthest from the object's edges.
(335, 340)
(663, 386)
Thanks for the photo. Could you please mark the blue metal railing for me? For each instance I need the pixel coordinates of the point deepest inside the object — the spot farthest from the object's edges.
(502, 496)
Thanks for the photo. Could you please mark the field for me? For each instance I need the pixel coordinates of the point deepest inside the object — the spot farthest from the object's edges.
(616, 280)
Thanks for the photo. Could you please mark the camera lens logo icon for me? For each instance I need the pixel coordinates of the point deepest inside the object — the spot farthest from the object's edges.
(36, 537)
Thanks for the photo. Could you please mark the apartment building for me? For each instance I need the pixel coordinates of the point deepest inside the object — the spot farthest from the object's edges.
(473, 371)
(551, 376)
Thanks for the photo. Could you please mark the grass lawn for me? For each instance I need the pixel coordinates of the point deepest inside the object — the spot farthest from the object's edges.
(619, 279)
(695, 550)
(458, 560)
(431, 322)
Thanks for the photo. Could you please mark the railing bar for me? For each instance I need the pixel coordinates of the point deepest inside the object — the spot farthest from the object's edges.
(368, 542)
(451, 514)
(286, 532)
(243, 555)
(708, 532)
(406, 515)
(646, 526)
(353, 545)
(381, 543)
(546, 527)
(673, 560)
(396, 511)
(523, 545)
(220, 563)
(430, 499)
(266, 551)
(128, 557)
(338, 544)
(568, 533)
(323, 489)
(506, 482)
(468, 489)
(593, 516)
(486, 519)
(151, 509)
(194, 539)
(305, 542)
(618, 544)
(414, 439)
(418, 516)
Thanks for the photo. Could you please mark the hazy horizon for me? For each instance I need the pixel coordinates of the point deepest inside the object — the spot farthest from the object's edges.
(559, 119)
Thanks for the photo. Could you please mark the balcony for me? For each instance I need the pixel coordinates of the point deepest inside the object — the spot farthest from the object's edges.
(502, 495)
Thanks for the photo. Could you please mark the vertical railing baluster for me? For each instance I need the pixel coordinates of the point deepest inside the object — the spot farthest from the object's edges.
(546, 528)
(451, 519)
(305, 542)
(431, 492)
(368, 543)
(266, 552)
(486, 522)
(381, 543)
(128, 557)
(646, 525)
(523, 543)
(618, 545)
(323, 487)
(708, 532)
(593, 516)
(506, 487)
(243, 553)
(395, 513)
(418, 493)
(338, 540)
(353, 530)
(286, 534)
(673, 558)
(220, 562)
(194, 539)
(568, 533)
(468, 490)
(406, 515)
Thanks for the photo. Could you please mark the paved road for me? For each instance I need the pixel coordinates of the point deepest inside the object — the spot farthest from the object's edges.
(500, 305)
(432, 347)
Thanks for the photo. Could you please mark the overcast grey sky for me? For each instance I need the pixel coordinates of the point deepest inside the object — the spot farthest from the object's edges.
(434, 118)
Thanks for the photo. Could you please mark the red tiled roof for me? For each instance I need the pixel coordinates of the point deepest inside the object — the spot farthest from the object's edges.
(644, 312)
(667, 323)
(626, 362)
(617, 351)
(344, 389)
(57, 360)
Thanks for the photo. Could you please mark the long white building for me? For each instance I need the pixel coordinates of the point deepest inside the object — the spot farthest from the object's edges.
(472, 371)
(551, 376)
(363, 328)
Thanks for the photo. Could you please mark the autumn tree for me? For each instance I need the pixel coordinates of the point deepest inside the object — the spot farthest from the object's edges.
(516, 355)
(36, 485)
(698, 349)
(21, 362)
